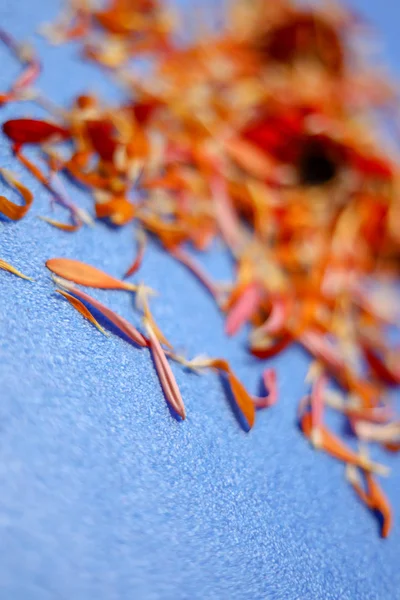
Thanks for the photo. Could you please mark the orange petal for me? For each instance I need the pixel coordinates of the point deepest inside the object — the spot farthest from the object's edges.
(170, 234)
(336, 448)
(83, 274)
(380, 503)
(89, 179)
(220, 364)
(330, 443)
(242, 398)
(36, 172)
(81, 308)
(119, 210)
(373, 498)
(7, 267)
(352, 477)
(141, 238)
(62, 226)
(9, 209)
(122, 324)
(151, 321)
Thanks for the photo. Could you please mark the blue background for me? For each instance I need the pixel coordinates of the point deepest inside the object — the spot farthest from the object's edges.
(102, 493)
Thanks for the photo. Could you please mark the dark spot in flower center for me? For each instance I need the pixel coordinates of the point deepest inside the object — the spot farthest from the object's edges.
(316, 164)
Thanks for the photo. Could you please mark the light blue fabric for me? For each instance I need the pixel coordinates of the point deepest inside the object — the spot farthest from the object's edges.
(103, 495)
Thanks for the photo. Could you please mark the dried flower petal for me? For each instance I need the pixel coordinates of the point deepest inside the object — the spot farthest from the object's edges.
(246, 135)
(167, 379)
(331, 444)
(122, 324)
(7, 267)
(83, 274)
(81, 308)
(242, 397)
(243, 309)
(9, 209)
(32, 131)
(374, 498)
(62, 226)
(141, 239)
(270, 384)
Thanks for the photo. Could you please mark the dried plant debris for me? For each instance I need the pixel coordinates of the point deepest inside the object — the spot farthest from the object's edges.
(261, 132)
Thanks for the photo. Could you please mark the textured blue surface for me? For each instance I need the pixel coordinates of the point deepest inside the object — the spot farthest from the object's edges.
(102, 493)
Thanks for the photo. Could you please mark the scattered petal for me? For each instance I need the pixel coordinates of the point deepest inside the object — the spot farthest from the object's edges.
(270, 384)
(122, 324)
(62, 226)
(7, 267)
(83, 274)
(198, 272)
(141, 239)
(9, 209)
(331, 444)
(243, 309)
(167, 378)
(143, 304)
(242, 398)
(81, 308)
(374, 498)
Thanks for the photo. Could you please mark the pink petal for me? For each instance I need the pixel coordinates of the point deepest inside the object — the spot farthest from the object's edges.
(139, 256)
(270, 383)
(165, 374)
(318, 346)
(243, 309)
(225, 214)
(197, 271)
(317, 401)
(129, 330)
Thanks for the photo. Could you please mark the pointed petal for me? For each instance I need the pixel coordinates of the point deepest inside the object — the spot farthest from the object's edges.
(81, 308)
(129, 330)
(243, 309)
(83, 274)
(7, 267)
(270, 384)
(11, 210)
(242, 398)
(165, 374)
